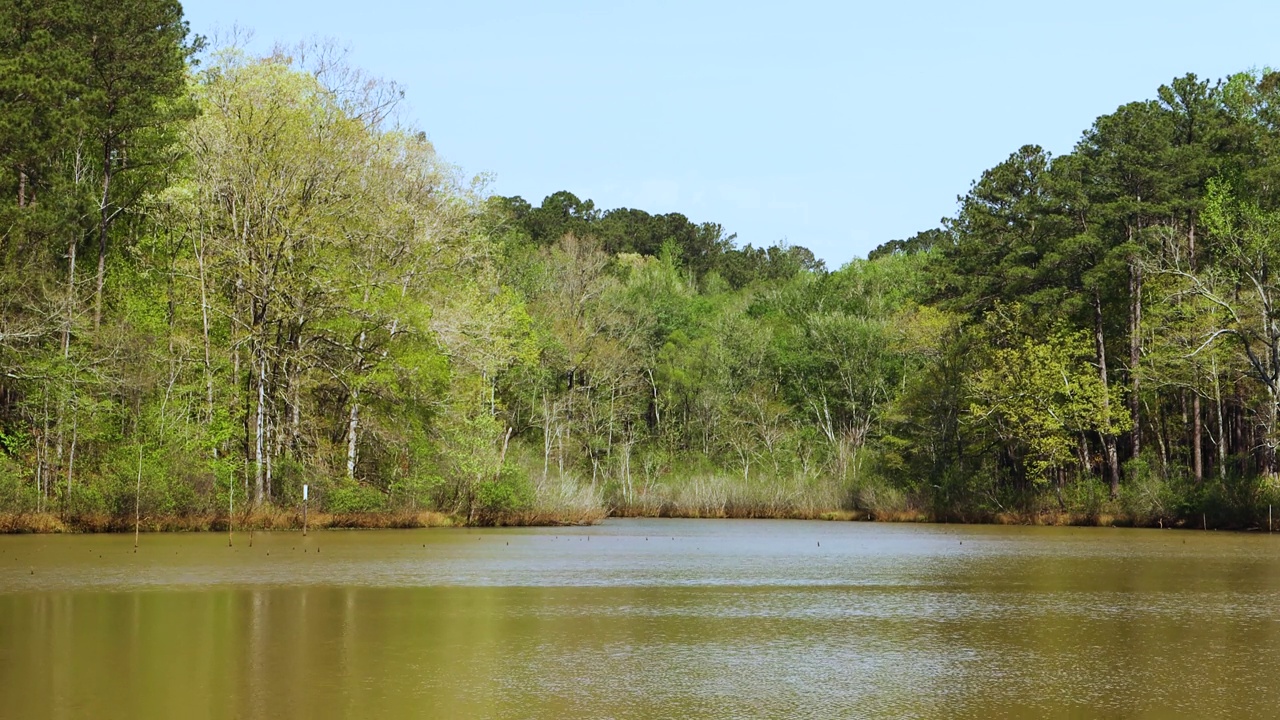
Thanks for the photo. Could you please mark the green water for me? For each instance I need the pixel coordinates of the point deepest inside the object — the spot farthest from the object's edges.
(644, 619)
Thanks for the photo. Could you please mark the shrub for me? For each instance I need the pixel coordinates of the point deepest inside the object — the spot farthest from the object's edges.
(352, 497)
(510, 492)
(1145, 497)
(17, 494)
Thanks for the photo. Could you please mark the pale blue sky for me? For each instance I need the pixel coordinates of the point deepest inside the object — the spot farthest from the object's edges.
(836, 126)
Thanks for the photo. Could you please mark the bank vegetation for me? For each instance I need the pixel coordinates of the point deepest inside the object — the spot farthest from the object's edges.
(224, 276)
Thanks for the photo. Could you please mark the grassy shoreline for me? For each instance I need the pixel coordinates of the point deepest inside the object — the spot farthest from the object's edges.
(48, 523)
(280, 520)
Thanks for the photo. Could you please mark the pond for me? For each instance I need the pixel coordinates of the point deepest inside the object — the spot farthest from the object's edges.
(644, 619)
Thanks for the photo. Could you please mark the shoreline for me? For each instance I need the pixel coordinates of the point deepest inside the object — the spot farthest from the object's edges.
(52, 524)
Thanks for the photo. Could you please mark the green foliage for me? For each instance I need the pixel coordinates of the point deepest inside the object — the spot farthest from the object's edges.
(294, 289)
(17, 491)
(921, 242)
(352, 497)
(511, 492)
(1148, 498)
(1042, 395)
(13, 443)
(415, 490)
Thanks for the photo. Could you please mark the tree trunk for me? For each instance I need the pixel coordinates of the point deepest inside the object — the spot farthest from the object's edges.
(204, 320)
(1082, 454)
(608, 453)
(1266, 443)
(71, 459)
(352, 427)
(1159, 433)
(43, 469)
(39, 476)
(296, 420)
(1135, 353)
(657, 413)
(1237, 431)
(137, 501)
(258, 438)
(104, 221)
(1197, 458)
(71, 297)
(1108, 438)
(270, 449)
(1222, 429)
(546, 437)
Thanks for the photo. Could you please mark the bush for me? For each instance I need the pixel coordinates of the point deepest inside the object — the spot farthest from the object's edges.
(352, 497)
(1269, 499)
(1234, 501)
(1145, 496)
(510, 492)
(1087, 495)
(17, 494)
(416, 490)
(871, 493)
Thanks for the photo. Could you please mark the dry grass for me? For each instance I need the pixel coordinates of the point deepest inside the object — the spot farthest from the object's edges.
(404, 519)
(733, 513)
(565, 502)
(558, 501)
(1059, 518)
(535, 518)
(902, 516)
(30, 523)
(262, 519)
(718, 496)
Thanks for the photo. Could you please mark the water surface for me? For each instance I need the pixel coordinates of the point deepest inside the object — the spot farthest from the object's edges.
(644, 619)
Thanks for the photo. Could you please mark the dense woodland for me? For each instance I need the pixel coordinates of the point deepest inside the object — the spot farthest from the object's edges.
(223, 276)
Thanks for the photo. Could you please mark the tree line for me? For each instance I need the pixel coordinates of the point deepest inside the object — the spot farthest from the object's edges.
(226, 275)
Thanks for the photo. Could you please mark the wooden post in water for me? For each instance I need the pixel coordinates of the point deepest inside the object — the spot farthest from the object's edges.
(304, 510)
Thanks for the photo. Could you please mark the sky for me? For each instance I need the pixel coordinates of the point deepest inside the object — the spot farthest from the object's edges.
(832, 125)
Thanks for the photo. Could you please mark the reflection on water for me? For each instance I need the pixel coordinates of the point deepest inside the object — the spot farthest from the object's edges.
(639, 619)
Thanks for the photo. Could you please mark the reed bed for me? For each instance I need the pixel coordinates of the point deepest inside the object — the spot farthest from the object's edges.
(559, 501)
(721, 496)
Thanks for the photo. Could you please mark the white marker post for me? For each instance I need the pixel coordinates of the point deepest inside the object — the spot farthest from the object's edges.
(304, 510)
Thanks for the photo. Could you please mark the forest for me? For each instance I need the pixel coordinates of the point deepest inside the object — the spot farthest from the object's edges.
(224, 276)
